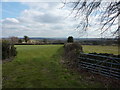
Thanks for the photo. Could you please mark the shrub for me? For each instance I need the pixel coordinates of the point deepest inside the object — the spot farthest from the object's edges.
(70, 39)
(20, 41)
(8, 50)
(73, 47)
(71, 53)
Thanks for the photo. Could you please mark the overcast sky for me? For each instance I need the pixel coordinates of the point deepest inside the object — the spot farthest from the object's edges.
(42, 19)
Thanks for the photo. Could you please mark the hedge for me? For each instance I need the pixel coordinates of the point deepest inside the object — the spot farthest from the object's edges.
(8, 50)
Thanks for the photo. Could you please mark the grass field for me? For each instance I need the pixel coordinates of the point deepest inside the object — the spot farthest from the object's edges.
(101, 49)
(38, 66)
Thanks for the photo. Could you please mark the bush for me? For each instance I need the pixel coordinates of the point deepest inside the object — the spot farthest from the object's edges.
(73, 47)
(8, 50)
(70, 39)
(71, 53)
(20, 41)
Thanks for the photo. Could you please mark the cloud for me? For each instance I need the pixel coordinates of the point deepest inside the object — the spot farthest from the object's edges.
(10, 20)
(47, 20)
(41, 20)
(31, 0)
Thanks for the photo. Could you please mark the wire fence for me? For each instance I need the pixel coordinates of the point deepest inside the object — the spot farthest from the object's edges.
(100, 64)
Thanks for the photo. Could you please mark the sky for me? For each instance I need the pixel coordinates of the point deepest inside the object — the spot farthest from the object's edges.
(42, 19)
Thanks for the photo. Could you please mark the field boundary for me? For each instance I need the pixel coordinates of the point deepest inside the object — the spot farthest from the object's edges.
(100, 64)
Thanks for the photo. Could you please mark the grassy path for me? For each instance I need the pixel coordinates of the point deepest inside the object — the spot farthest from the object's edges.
(37, 66)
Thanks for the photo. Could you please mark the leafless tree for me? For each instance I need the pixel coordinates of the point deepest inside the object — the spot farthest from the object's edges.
(108, 13)
(14, 39)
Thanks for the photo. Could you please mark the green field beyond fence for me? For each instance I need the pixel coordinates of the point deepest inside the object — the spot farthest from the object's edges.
(101, 49)
(38, 66)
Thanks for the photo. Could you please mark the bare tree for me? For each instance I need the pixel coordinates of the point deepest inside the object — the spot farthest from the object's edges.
(14, 39)
(108, 14)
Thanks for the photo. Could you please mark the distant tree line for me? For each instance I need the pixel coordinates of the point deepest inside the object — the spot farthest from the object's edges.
(16, 40)
(27, 41)
(99, 42)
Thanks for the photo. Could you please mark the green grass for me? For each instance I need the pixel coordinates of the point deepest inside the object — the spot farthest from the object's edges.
(38, 66)
(100, 49)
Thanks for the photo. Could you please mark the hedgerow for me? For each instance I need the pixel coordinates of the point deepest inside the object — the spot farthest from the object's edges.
(8, 50)
(71, 53)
